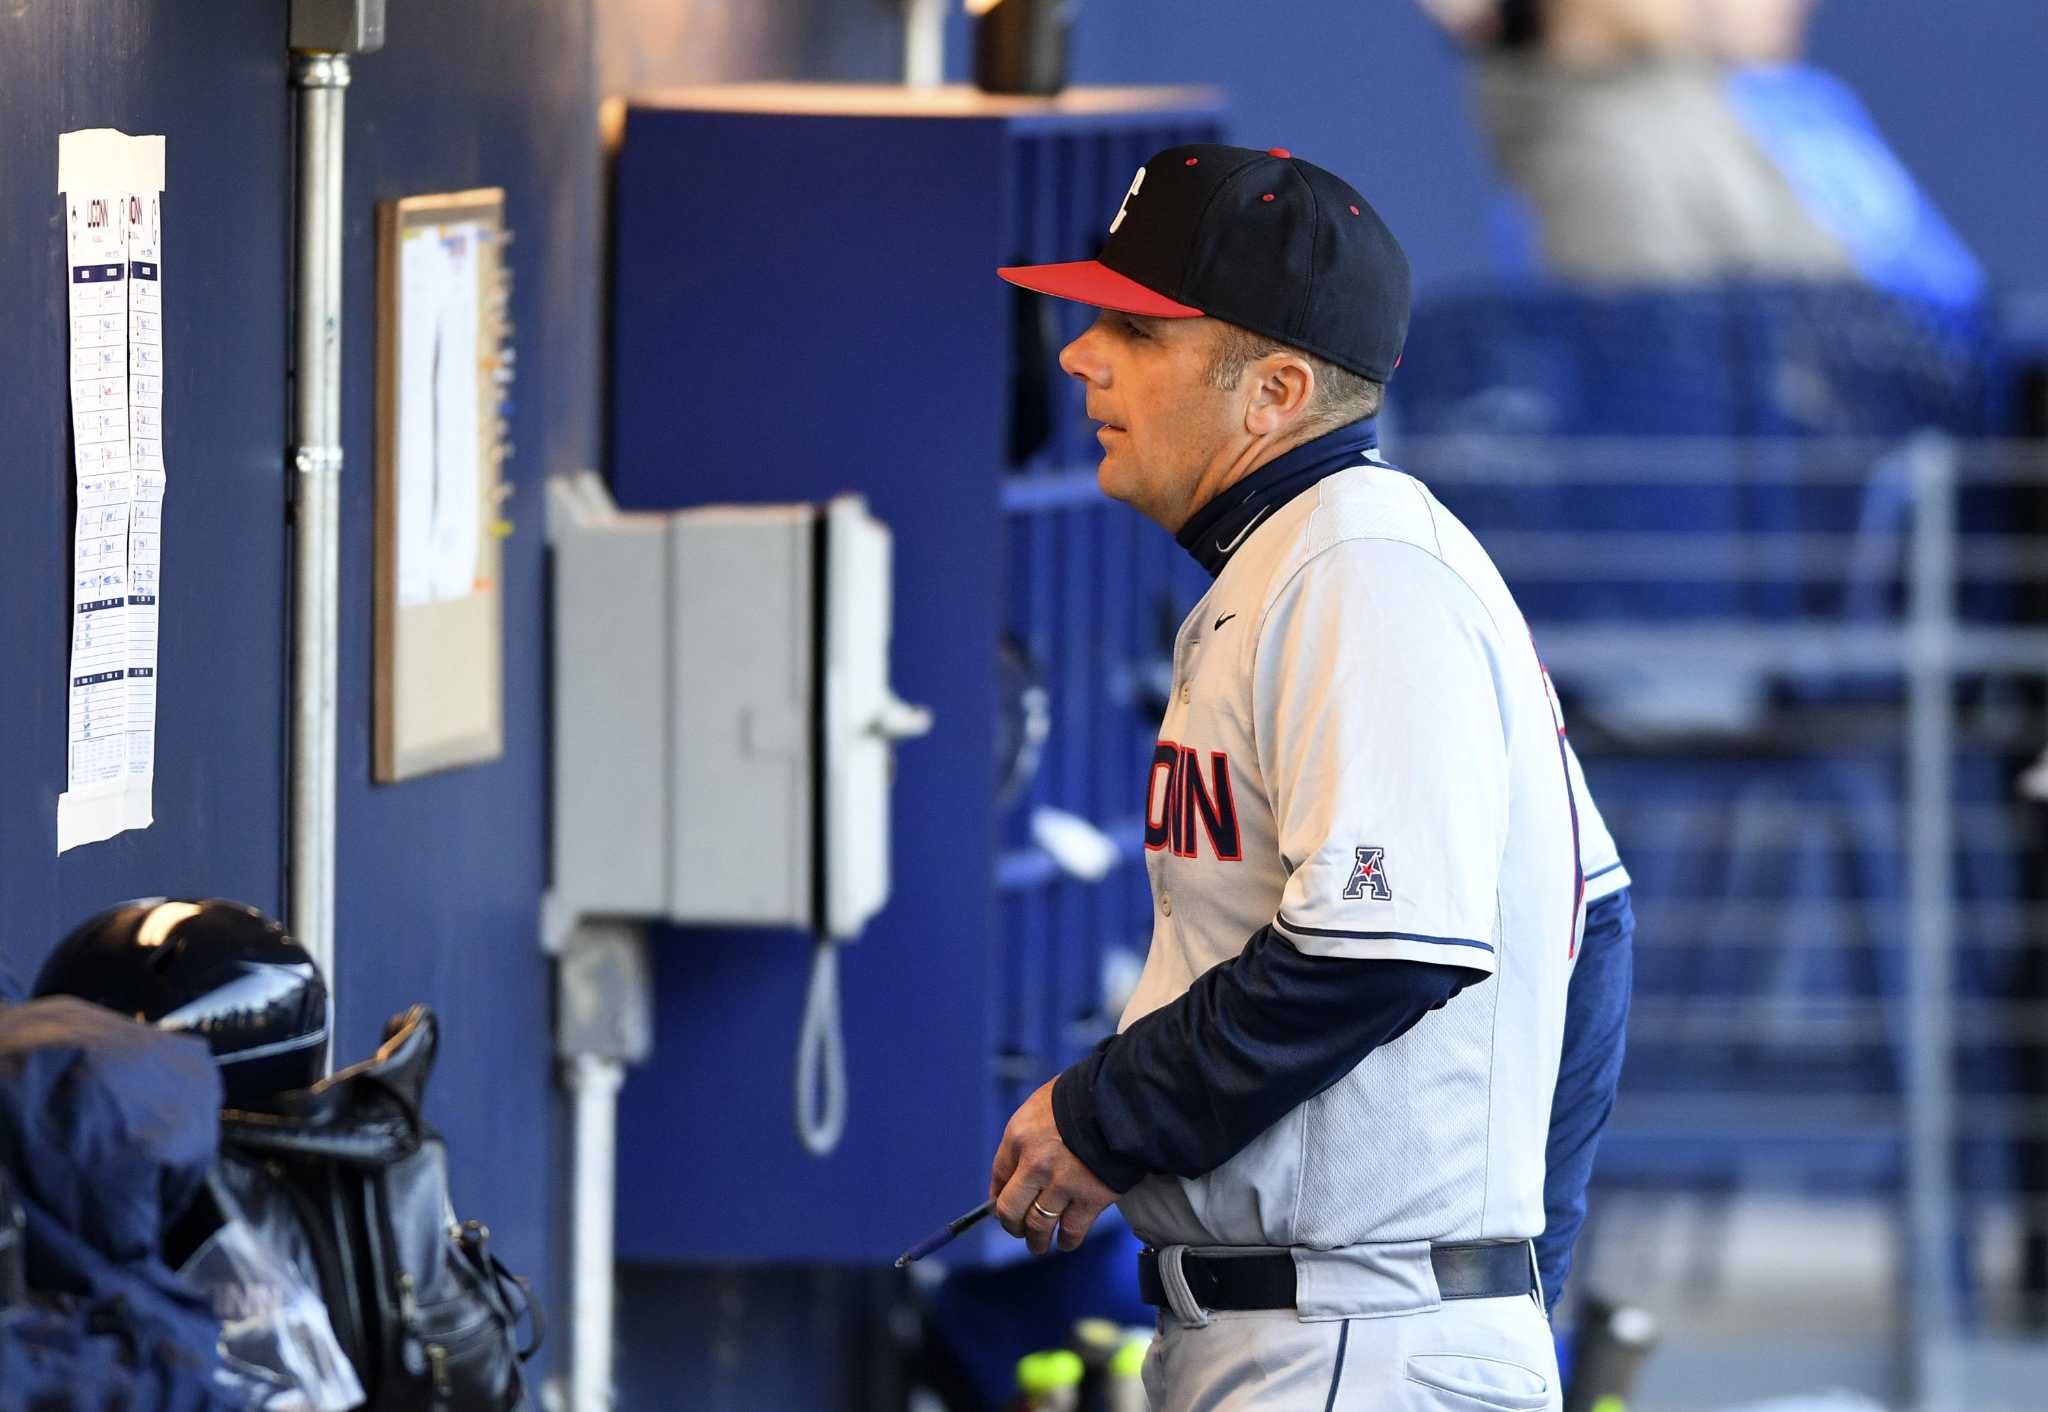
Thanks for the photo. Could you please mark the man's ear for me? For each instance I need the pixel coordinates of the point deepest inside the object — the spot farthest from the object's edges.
(1282, 386)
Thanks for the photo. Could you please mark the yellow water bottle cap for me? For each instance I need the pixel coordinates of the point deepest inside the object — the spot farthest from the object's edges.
(1101, 1336)
(1049, 1371)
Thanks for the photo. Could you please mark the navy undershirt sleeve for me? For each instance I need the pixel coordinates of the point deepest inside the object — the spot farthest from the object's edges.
(1187, 1087)
(1595, 1024)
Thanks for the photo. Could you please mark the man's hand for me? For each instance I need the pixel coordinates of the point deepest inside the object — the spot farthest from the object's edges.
(1034, 1174)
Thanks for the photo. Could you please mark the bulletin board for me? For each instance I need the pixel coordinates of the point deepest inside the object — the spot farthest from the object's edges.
(442, 366)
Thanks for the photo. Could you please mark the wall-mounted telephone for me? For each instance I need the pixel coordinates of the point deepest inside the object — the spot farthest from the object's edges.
(724, 729)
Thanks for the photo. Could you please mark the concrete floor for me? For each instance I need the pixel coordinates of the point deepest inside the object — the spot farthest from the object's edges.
(1796, 1304)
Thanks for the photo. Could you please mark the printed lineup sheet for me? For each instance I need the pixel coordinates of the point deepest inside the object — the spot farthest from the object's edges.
(112, 189)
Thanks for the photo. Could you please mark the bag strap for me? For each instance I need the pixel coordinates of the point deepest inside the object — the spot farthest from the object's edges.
(475, 1238)
(536, 1316)
(373, 1142)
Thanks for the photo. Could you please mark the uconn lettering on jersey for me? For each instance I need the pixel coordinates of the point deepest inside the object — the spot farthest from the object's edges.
(1185, 801)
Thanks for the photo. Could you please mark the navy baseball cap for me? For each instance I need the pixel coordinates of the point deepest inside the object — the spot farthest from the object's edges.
(1263, 240)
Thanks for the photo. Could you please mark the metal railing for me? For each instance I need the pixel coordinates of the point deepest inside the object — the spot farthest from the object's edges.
(1828, 582)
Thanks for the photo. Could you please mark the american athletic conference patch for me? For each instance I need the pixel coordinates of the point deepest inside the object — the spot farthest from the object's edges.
(1369, 876)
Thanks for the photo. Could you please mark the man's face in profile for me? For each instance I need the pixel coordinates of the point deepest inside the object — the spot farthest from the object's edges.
(1163, 420)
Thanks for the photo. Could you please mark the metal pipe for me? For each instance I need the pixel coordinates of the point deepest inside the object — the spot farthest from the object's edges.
(321, 80)
(1930, 959)
(924, 43)
(594, 1081)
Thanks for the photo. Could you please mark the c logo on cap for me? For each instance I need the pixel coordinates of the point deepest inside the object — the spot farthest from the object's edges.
(1125, 209)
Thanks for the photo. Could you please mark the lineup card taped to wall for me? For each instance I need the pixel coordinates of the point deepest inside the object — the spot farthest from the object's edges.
(112, 188)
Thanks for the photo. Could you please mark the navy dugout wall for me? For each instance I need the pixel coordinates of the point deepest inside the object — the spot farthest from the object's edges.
(439, 880)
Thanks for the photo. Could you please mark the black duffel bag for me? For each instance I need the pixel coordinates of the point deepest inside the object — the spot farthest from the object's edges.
(349, 1182)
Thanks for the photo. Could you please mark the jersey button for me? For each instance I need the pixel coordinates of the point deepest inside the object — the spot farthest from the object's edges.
(1187, 693)
(1166, 903)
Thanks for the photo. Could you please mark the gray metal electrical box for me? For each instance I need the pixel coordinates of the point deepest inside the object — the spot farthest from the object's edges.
(722, 717)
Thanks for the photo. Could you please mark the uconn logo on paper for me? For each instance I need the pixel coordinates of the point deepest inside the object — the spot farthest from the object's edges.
(1186, 804)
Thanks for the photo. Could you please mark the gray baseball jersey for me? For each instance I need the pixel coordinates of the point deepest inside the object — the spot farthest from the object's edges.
(1363, 751)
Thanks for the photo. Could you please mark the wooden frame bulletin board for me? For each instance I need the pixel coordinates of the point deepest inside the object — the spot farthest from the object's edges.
(439, 681)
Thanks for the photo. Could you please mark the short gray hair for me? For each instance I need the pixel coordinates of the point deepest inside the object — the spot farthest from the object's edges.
(1341, 395)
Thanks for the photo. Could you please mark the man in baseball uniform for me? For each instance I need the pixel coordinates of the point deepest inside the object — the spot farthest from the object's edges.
(1328, 1107)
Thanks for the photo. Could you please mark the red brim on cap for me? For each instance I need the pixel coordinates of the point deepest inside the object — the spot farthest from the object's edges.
(1092, 282)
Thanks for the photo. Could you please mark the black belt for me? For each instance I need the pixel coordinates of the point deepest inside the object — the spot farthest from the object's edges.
(1485, 1269)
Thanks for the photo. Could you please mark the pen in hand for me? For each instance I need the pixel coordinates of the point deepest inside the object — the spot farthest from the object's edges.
(944, 1234)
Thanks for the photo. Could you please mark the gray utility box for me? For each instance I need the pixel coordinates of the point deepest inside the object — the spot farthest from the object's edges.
(723, 723)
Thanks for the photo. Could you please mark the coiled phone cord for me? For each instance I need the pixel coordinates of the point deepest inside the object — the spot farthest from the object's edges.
(821, 1057)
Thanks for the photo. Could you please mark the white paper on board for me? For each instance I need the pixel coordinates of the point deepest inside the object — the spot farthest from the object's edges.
(440, 443)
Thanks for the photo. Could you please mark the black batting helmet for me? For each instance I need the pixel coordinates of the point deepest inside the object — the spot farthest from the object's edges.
(217, 970)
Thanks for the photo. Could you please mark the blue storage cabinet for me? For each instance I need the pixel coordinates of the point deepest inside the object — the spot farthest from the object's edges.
(804, 302)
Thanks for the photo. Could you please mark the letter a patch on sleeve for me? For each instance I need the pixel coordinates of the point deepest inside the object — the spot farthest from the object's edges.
(1369, 876)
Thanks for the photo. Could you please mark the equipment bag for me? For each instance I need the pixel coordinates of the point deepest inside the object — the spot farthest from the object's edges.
(348, 1180)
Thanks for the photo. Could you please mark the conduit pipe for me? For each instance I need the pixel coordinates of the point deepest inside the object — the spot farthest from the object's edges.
(594, 1084)
(321, 81)
(924, 43)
